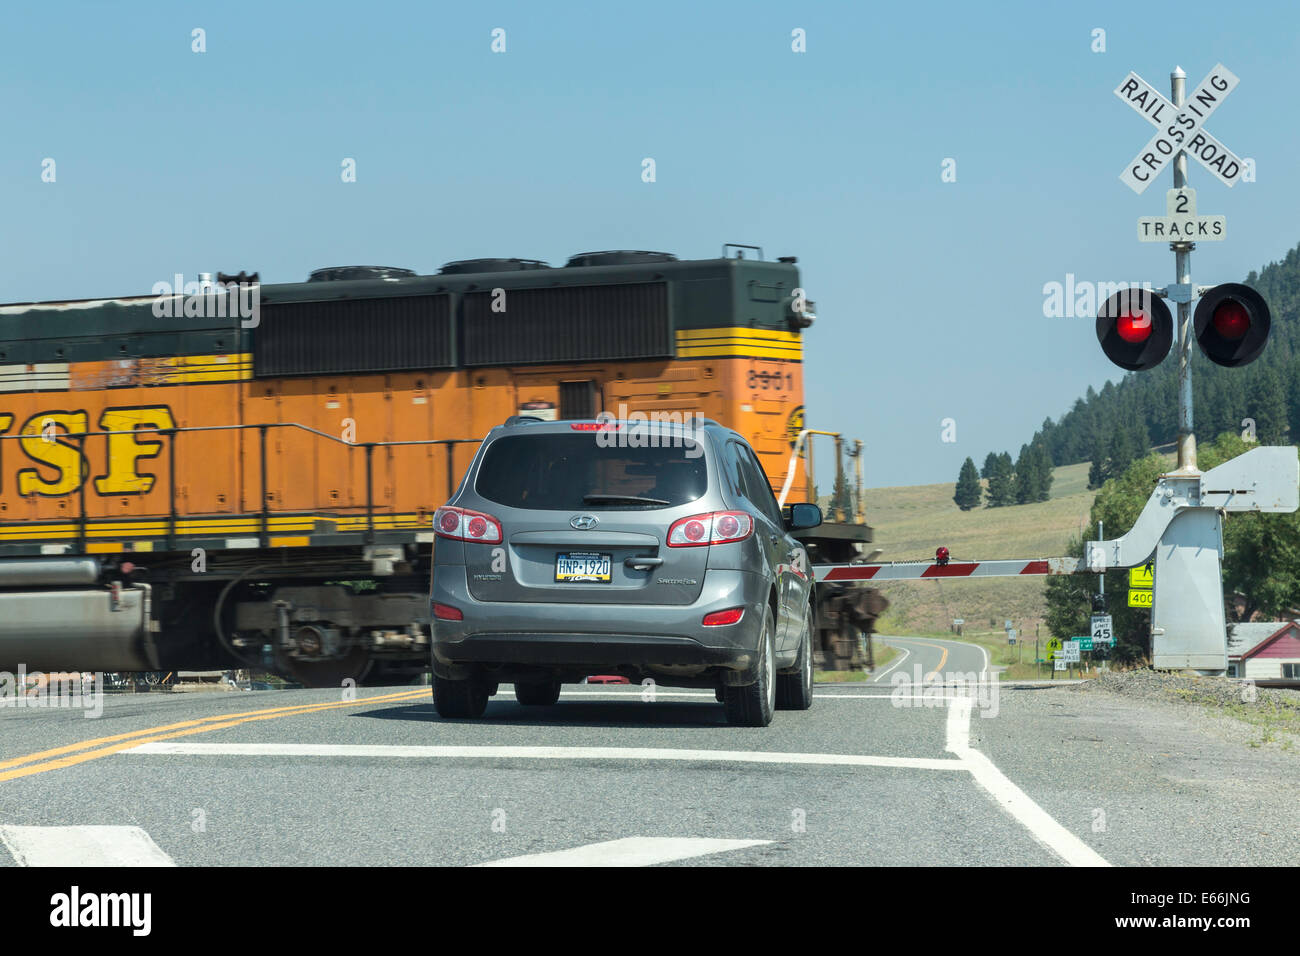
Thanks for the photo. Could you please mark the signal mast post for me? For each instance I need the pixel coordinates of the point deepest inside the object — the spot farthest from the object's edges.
(1182, 523)
(1183, 268)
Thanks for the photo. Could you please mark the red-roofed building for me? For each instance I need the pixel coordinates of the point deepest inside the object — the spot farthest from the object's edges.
(1267, 654)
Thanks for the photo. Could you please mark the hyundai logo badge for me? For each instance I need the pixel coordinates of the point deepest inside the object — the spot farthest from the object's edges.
(584, 522)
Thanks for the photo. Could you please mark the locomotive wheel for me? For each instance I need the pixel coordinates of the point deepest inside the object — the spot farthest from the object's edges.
(354, 665)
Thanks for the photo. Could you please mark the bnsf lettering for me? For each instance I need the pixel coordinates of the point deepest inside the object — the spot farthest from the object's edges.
(49, 443)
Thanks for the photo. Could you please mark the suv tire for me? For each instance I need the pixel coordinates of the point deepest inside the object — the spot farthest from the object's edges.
(459, 698)
(752, 705)
(542, 694)
(795, 691)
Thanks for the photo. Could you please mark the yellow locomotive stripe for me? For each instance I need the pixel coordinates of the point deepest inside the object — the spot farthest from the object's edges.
(207, 368)
(741, 342)
(741, 351)
(771, 335)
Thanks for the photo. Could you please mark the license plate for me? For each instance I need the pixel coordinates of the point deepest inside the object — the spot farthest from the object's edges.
(583, 566)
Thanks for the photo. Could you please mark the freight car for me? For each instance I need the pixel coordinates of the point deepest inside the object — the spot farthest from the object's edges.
(229, 473)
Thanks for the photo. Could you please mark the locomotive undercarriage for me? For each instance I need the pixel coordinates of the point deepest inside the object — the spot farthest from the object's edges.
(315, 617)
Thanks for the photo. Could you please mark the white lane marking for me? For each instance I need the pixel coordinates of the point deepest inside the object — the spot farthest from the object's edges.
(536, 753)
(82, 846)
(630, 851)
(1011, 798)
(906, 654)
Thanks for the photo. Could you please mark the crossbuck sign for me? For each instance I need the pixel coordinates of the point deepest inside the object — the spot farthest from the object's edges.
(1179, 129)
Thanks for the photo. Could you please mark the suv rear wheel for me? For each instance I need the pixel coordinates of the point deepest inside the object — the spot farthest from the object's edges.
(542, 694)
(795, 691)
(459, 698)
(752, 705)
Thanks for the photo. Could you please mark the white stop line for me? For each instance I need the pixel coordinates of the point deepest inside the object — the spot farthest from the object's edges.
(1020, 806)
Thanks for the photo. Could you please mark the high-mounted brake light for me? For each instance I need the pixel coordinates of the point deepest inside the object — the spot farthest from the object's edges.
(461, 524)
(595, 426)
(717, 527)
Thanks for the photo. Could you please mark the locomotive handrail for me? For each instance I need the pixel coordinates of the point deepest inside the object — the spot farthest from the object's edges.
(264, 513)
(163, 429)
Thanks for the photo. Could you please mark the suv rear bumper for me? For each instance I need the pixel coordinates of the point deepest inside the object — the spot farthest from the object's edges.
(578, 636)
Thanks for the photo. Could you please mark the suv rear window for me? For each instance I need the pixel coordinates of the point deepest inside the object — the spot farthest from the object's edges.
(551, 472)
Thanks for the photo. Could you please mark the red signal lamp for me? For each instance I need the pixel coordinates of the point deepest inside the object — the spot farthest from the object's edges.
(1135, 329)
(1232, 323)
(941, 556)
(1231, 320)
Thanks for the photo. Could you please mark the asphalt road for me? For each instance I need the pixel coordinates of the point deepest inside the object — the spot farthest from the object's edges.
(923, 658)
(872, 774)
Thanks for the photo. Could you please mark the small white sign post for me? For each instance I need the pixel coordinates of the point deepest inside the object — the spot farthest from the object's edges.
(1180, 223)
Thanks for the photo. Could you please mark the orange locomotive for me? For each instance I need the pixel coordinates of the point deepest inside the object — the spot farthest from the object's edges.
(235, 474)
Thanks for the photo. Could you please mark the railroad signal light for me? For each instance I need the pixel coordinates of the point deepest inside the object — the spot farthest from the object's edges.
(1232, 323)
(941, 556)
(1135, 329)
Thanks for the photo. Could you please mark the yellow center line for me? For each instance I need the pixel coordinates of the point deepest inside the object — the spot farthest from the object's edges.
(943, 658)
(125, 741)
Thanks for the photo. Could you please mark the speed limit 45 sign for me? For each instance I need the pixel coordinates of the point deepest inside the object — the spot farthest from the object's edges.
(1101, 629)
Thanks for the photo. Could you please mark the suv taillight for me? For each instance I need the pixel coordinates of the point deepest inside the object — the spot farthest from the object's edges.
(461, 524)
(717, 527)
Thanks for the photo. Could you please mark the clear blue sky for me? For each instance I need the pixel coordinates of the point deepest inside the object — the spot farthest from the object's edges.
(929, 293)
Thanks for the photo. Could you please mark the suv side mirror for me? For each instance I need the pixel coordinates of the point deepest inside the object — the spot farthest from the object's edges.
(802, 516)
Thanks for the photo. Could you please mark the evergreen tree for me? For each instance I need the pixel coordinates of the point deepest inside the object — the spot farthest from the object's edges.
(990, 461)
(1042, 471)
(1267, 406)
(1095, 478)
(1100, 456)
(1293, 397)
(1024, 484)
(1001, 490)
(968, 491)
(1123, 452)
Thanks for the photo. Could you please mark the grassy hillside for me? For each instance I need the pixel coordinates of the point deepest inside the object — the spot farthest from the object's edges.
(910, 522)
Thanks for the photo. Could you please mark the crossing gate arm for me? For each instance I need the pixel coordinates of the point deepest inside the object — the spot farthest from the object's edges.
(1265, 479)
(923, 570)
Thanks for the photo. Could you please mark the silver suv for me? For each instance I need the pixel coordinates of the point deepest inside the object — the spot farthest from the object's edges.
(652, 550)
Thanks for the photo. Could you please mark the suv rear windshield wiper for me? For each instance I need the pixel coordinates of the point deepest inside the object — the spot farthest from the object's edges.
(622, 500)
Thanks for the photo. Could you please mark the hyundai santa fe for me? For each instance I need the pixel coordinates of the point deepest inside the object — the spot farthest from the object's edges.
(574, 548)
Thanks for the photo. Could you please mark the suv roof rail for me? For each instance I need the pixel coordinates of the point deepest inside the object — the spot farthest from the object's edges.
(522, 419)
